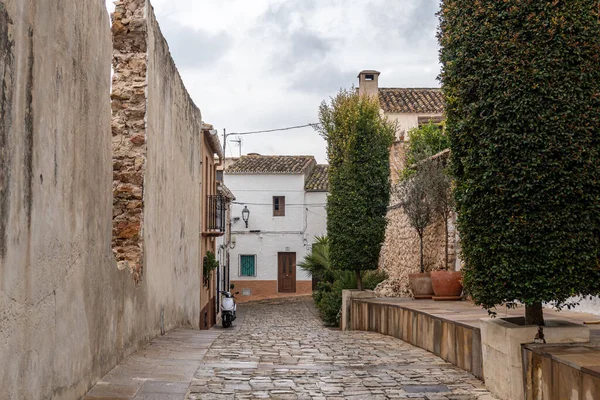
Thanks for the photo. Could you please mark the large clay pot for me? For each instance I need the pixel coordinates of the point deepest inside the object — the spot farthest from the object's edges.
(420, 285)
(447, 285)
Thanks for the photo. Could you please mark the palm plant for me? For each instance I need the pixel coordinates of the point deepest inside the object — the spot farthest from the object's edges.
(316, 263)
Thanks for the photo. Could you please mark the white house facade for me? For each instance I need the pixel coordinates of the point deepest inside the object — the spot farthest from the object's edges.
(279, 208)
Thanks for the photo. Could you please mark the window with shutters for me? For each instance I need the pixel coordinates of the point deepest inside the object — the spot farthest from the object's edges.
(247, 265)
(278, 206)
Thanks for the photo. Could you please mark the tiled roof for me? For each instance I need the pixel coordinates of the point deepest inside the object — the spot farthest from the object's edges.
(257, 164)
(411, 100)
(318, 181)
(224, 191)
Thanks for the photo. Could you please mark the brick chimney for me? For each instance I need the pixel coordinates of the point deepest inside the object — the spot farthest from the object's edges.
(368, 82)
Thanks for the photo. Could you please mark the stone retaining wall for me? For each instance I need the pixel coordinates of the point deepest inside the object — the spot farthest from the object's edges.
(454, 342)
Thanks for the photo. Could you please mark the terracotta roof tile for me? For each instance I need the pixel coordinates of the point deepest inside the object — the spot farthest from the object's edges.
(257, 164)
(318, 181)
(411, 100)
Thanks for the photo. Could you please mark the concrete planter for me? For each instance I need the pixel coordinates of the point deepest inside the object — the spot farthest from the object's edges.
(501, 341)
(420, 284)
(447, 285)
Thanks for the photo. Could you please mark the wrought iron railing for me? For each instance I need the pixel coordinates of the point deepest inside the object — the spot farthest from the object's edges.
(215, 213)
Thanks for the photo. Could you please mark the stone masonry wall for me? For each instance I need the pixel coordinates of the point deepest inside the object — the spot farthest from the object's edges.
(130, 55)
(68, 315)
(400, 252)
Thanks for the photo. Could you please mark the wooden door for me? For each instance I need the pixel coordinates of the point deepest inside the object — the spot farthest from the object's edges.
(286, 272)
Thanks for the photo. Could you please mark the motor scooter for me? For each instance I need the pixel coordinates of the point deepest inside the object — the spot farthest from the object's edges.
(228, 308)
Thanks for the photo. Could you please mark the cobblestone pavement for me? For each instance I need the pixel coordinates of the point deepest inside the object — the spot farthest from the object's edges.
(281, 350)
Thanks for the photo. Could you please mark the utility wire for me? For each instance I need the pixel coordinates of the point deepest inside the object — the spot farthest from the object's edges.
(271, 204)
(275, 130)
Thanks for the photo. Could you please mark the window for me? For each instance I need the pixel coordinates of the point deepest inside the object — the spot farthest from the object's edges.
(278, 206)
(436, 120)
(247, 265)
(369, 77)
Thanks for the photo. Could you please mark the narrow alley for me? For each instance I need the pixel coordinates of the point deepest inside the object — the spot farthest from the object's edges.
(279, 349)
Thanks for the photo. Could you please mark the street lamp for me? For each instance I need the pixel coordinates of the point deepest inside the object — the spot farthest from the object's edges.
(246, 215)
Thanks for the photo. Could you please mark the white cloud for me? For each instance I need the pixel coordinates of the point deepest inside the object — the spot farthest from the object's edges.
(264, 64)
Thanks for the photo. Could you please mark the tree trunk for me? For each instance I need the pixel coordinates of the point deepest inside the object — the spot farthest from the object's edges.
(359, 284)
(446, 230)
(534, 314)
(421, 253)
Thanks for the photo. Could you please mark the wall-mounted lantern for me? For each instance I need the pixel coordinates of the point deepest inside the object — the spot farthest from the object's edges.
(246, 215)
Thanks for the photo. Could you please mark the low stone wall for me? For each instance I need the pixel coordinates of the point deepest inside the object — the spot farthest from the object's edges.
(561, 372)
(457, 343)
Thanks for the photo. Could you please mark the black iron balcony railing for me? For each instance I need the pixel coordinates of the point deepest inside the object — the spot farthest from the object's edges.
(215, 214)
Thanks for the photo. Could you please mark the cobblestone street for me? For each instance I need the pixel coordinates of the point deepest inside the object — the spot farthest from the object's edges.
(281, 350)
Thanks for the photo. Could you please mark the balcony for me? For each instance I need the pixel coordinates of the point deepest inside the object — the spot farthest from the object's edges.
(215, 215)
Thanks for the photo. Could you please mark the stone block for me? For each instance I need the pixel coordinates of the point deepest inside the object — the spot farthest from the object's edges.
(347, 297)
(437, 337)
(590, 387)
(566, 382)
(501, 344)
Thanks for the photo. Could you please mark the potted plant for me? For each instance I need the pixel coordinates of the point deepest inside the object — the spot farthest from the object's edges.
(414, 199)
(447, 284)
(209, 264)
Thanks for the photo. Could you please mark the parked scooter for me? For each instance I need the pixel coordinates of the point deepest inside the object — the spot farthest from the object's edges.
(228, 308)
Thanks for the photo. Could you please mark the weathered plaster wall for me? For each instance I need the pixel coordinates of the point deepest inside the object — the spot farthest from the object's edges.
(172, 192)
(67, 313)
(65, 309)
(406, 121)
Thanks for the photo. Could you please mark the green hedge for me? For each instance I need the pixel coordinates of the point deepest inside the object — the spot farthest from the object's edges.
(358, 141)
(521, 81)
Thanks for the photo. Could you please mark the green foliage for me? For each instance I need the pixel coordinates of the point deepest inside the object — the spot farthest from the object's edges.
(416, 200)
(358, 141)
(328, 296)
(425, 141)
(330, 306)
(316, 263)
(373, 278)
(522, 88)
(209, 264)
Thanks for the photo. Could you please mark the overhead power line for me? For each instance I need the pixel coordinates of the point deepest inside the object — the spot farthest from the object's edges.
(287, 205)
(275, 130)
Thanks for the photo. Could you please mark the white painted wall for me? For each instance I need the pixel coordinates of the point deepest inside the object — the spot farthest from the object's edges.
(257, 191)
(407, 121)
(316, 215)
(304, 218)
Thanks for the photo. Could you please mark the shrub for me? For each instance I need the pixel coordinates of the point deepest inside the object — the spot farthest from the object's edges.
(374, 278)
(522, 89)
(358, 141)
(425, 141)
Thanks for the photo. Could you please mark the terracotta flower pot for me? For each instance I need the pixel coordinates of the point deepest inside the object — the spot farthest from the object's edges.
(420, 284)
(447, 285)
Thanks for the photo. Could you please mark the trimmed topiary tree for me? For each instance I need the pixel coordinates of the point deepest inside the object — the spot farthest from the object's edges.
(358, 142)
(521, 81)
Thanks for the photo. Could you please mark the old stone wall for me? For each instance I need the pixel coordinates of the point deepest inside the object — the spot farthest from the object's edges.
(130, 83)
(400, 252)
(68, 314)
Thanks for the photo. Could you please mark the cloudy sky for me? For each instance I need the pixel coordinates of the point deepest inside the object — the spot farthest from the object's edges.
(262, 64)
